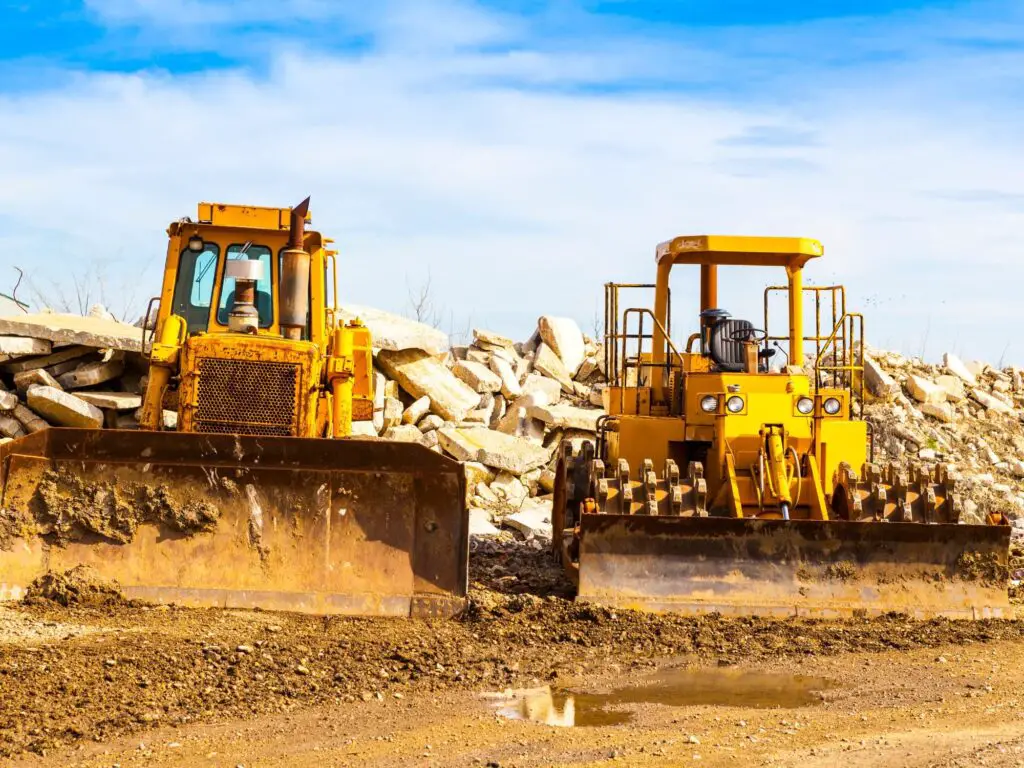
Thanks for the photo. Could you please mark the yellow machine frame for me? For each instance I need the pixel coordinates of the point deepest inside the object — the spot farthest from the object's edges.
(334, 385)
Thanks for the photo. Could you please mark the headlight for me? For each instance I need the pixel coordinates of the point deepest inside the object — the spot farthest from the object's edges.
(709, 404)
(805, 406)
(196, 244)
(831, 406)
(734, 404)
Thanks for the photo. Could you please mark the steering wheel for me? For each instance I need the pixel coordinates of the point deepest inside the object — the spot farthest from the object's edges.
(757, 335)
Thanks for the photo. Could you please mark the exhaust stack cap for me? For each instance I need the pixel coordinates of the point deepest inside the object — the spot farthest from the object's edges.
(244, 269)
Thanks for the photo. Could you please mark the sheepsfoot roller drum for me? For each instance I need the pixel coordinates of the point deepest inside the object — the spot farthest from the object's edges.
(646, 540)
(310, 525)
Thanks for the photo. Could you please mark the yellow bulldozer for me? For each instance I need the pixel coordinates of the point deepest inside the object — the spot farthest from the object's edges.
(259, 497)
(732, 473)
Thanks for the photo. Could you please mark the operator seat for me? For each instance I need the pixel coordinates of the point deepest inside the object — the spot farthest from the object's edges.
(725, 352)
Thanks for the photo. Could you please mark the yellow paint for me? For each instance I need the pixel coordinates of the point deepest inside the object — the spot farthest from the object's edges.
(318, 408)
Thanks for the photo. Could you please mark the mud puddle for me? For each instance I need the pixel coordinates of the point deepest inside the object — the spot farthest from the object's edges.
(576, 707)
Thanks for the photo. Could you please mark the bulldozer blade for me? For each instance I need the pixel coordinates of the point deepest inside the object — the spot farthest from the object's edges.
(826, 569)
(357, 527)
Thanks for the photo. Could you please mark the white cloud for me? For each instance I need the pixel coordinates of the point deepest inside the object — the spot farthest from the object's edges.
(521, 200)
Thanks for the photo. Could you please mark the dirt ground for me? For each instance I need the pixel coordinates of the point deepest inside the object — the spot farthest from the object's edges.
(116, 684)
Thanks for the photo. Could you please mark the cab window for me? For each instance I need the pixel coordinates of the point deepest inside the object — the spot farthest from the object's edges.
(193, 287)
(264, 286)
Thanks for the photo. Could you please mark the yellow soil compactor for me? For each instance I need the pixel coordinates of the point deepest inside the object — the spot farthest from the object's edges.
(732, 474)
(259, 497)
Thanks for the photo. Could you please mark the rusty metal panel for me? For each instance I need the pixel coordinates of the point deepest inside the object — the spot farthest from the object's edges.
(790, 568)
(248, 397)
(316, 526)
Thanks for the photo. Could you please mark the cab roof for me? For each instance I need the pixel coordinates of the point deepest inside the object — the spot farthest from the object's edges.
(739, 250)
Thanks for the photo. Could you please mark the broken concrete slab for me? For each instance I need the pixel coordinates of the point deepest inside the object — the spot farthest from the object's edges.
(551, 389)
(421, 375)
(943, 411)
(21, 346)
(396, 333)
(480, 336)
(879, 383)
(416, 411)
(564, 337)
(549, 364)
(393, 412)
(480, 523)
(430, 422)
(29, 420)
(958, 368)
(509, 489)
(954, 387)
(61, 356)
(94, 332)
(11, 427)
(63, 408)
(533, 519)
(91, 374)
(502, 368)
(567, 416)
(990, 401)
(924, 390)
(38, 376)
(115, 401)
(477, 375)
(404, 433)
(363, 429)
(495, 449)
(8, 401)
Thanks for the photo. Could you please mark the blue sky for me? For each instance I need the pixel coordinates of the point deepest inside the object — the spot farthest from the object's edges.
(522, 153)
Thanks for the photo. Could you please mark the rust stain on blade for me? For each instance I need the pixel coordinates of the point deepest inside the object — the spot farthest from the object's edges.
(316, 526)
(788, 568)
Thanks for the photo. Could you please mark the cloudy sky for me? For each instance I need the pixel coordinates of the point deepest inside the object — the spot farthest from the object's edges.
(521, 153)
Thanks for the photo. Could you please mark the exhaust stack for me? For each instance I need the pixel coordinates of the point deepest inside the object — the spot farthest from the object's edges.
(295, 277)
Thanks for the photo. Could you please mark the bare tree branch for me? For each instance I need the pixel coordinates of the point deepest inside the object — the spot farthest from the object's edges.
(421, 303)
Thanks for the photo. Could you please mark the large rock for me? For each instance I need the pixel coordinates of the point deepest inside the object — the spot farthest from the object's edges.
(40, 376)
(8, 401)
(403, 433)
(549, 364)
(393, 412)
(63, 408)
(942, 411)
(519, 422)
(492, 339)
(480, 523)
(494, 449)
(95, 332)
(958, 368)
(879, 383)
(421, 375)
(510, 386)
(925, 391)
(19, 346)
(396, 333)
(564, 336)
(567, 416)
(10, 427)
(29, 420)
(478, 376)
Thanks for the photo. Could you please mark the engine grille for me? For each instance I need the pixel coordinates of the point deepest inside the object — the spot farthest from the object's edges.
(246, 397)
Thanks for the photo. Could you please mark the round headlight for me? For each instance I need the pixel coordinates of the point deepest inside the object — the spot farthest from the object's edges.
(805, 405)
(709, 404)
(196, 244)
(831, 406)
(734, 404)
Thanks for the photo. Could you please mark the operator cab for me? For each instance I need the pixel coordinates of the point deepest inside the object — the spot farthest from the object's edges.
(724, 340)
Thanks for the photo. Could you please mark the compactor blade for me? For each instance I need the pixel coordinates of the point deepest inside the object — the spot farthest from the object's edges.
(793, 567)
(358, 527)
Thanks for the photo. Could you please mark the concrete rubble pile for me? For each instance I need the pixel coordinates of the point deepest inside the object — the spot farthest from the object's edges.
(965, 414)
(70, 371)
(499, 406)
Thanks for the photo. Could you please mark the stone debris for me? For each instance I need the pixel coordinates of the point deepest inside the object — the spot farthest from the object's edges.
(19, 346)
(91, 332)
(63, 408)
(421, 375)
(417, 411)
(478, 376)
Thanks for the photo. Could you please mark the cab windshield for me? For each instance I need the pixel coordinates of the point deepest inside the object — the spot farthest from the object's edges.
(264, 286)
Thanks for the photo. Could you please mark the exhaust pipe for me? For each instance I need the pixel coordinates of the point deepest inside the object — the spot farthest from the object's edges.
(244, 317)
(295, 277)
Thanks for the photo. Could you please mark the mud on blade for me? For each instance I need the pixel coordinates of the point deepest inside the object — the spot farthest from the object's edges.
(316, 526)
(799, 567)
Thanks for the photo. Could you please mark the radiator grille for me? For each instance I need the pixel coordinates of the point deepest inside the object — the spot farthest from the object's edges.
(246, 397)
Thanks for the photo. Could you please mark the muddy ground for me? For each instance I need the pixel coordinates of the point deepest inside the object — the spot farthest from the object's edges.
(82, 683)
